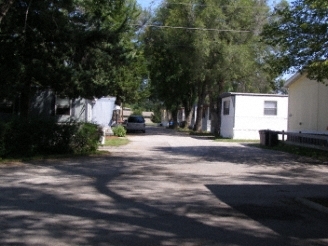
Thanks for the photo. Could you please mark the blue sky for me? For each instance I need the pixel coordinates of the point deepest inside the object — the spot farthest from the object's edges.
(147, 3)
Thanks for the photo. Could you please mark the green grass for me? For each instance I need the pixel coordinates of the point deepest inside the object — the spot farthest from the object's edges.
(203, 134)
(115, 142)
(49, 157)
(218, 139)
(152, 124)
(236, 140)
(321, 155)
(186, 130)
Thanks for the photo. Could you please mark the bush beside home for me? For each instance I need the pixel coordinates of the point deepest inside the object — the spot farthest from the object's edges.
(119, 131)
(24, 138)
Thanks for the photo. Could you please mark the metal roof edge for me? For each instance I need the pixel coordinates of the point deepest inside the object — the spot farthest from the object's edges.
(228, 94)
(292, 79)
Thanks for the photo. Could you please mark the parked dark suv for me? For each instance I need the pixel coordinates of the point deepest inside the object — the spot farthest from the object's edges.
(136, 123)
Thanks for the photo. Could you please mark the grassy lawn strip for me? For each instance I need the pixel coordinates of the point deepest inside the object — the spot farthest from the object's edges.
(318, 154)
(202, 134)
(110, 141)
(236, 140)
(6, 161)
(116, 141)
(218, 139)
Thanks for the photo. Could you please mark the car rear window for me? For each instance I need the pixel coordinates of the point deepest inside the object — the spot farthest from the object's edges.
(136, 119)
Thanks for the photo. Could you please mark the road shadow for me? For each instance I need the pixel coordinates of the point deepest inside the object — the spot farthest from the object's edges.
(238, 154)
(98, 201)
(76, 202)
(274, 206)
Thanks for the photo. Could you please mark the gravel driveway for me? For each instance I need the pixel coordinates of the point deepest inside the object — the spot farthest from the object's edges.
(165, 188)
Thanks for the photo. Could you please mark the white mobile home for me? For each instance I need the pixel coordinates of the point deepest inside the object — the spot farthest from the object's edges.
(307, 106)
(244, 114)
(99, 111)
(46, 104)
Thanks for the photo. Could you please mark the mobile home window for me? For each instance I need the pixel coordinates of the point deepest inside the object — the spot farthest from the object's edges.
(226, 107)
(63, 106)
(270, 107)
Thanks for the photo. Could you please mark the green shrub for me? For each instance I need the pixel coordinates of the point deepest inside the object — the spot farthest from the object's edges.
(86, 139)
(119, 131)
(59, 142)
(156, 118)
(24, 138)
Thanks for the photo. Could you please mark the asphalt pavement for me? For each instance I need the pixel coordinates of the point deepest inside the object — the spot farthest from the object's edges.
(165, 188)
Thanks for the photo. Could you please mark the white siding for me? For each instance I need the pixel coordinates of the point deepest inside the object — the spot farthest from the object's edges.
(250, 117)
(102, 111)
(78, 111)
(246, 116)
(227, 121)
(88, 113)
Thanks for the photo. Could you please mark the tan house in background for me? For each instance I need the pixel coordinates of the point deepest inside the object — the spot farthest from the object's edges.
(128, 111)
(307, 106)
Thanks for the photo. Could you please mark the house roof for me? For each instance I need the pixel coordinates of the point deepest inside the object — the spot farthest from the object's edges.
(293, 79)
(228, 94)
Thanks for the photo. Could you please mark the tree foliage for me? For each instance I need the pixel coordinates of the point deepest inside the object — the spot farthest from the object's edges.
(199, 49)
(299, 35)
(5, 5)
(76, 48)
(167, 54)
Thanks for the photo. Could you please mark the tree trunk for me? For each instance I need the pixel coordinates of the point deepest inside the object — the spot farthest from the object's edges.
(201, 99)
(25, 100)
(4, 8)
(188, 110)
(188, 118)
(198, 123)
(216, 108)
(175, 118)
(214, 117)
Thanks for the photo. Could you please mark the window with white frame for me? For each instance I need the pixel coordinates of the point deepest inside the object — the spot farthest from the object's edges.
(226, 107)
(270, 107)
(63, 106)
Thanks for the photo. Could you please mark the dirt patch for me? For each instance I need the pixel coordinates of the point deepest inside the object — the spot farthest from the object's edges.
(111, 137)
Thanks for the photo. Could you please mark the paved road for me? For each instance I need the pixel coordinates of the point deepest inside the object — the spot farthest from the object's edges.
(164, 189)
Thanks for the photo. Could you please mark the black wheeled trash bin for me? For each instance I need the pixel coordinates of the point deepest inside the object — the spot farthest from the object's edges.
(264, 137)
(268, 138)
(273, 138)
